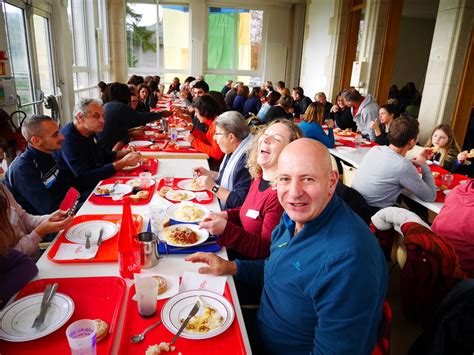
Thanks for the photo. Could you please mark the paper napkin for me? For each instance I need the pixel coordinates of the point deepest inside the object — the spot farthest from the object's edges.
(195, 281)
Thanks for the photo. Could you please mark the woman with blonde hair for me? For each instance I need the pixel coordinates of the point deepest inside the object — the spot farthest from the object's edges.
(248, 229)
(311, 125)
(445, 149)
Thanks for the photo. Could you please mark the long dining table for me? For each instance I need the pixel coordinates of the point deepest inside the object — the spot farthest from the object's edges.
(173, 265)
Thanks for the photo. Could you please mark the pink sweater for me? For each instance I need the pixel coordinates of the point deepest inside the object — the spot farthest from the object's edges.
(455, 223)
(23, 225)
(250, 226)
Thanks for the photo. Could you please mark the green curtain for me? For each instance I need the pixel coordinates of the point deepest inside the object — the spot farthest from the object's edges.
(220, 40)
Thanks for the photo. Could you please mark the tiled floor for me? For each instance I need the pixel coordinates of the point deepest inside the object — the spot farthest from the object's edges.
(404, 332)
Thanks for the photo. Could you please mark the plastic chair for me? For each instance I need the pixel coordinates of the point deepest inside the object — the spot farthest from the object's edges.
(348, 174)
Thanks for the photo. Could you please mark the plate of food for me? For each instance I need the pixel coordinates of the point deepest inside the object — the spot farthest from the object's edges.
(187, 212)
(185, 235)
(131, 167)
(214, 317)
(141, 143)
(190, 184)
(109, 190)
(18, 317)
(137, 182)
(183, 144)
(180, 195)
(77, 233)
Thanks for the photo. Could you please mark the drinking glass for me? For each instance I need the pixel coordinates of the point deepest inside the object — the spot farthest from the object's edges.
(147, 290)
(447, 180)
(157, 218)
(81, 336)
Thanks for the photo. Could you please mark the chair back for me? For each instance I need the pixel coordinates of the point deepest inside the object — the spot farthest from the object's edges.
(382, 346)
(348, 173)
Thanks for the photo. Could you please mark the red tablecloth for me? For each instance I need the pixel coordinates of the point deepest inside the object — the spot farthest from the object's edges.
(457, 178)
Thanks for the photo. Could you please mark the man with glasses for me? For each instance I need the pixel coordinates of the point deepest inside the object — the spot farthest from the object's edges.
(81, 151)
(34, 178)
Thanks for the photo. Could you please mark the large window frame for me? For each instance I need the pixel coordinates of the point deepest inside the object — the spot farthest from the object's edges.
(28, 12)
(161, 70)
(234, 73)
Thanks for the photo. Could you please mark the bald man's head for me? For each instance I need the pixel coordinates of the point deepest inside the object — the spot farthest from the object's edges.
(305, 180)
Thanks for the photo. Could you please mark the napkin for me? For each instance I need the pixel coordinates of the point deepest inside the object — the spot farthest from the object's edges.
(68, 251)
(172, 283)
(196, 281)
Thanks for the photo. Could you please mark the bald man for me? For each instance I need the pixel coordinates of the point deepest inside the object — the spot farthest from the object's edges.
(326, 277)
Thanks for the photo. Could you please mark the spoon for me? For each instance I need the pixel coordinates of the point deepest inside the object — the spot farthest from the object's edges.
(137, 338)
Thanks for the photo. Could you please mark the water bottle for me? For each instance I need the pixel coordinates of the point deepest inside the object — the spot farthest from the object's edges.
(128, 246)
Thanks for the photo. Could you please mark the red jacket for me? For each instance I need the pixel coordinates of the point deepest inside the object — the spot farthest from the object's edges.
(206, 143)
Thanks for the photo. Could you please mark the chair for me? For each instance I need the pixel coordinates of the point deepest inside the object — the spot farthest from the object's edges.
(382, 346)
(348, 174)
(334, 163)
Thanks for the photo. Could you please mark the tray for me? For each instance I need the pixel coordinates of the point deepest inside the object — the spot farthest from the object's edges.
(178, 149)
(99, 200)
(94, 297)
(440, 196)
(229, 342)
(108, 251)
(150, 165)
(163, 142)
(210, 195)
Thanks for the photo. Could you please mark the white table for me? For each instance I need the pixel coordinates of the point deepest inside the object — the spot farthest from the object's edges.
(354, 157)
(169, 265)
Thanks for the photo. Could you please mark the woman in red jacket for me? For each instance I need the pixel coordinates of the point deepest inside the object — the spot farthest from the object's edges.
(206, 110)
(247, 229)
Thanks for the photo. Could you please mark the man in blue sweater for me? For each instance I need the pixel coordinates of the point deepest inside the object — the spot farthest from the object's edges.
(325, 280)
(81, 151)
(34, 178)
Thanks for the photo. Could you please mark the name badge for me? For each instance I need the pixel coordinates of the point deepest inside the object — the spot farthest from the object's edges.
(252, 214)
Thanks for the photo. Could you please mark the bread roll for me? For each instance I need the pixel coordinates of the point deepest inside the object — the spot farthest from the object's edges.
(162, 284)
(102, 329)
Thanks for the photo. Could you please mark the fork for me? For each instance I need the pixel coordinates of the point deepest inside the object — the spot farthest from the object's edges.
(88, 239)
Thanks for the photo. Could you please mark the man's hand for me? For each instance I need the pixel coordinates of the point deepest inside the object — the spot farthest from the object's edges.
(215, 223)
(330, 123)
(207, 182)
(216, 265)
(422, 156)
(54, 223)
(201, 171)
(462, 156)
(130, 159)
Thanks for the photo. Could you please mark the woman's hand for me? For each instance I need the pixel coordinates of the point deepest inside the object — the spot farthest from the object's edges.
(375, 126)
(330, 123)
(334, 108)
(54, 223)
(215, 223)
(216, 265)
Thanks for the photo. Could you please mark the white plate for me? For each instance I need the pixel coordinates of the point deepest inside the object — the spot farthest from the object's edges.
(178, 307)
(131, 167)
(77, 233)
(137, 182)
(18, 317)
(187, 185)
(202, 233)
(170, 195)
(183, 144)
(171, 211)
(141, 143)
(120, 189)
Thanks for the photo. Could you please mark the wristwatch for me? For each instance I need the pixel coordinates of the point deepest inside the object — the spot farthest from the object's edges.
(215, 188)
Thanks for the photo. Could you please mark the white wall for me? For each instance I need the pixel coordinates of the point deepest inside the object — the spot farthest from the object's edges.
(316, 47)
(413, 51)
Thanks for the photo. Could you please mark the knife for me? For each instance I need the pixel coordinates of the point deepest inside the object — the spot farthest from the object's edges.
(46, 293)
(99, 240)
(45, 306)
(191, 314)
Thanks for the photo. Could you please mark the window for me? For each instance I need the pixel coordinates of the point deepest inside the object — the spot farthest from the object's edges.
(158, 39)
(90, 49)
(234, 46)
(30, 48)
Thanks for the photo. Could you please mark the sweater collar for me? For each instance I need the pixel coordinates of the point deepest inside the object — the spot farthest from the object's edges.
(38, 154)
(314, 225)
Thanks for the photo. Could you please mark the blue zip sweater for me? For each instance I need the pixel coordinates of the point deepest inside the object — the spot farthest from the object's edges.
(36, 181)
(323, 288)
(88, 161)
(315, 131)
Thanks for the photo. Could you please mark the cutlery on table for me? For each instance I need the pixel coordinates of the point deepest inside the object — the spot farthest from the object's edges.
(112, 190)
(48, 295)
(137, 338)
(88, 239)
(101, 233)
(191, 314)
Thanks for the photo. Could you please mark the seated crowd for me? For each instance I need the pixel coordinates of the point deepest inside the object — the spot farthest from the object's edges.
(298, 239)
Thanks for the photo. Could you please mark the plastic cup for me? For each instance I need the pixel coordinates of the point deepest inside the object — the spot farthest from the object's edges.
(168, 181)
(358, 141)
(81, 336)
(447, 180)
(145, 179)
(147, 290)
(157, 218)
